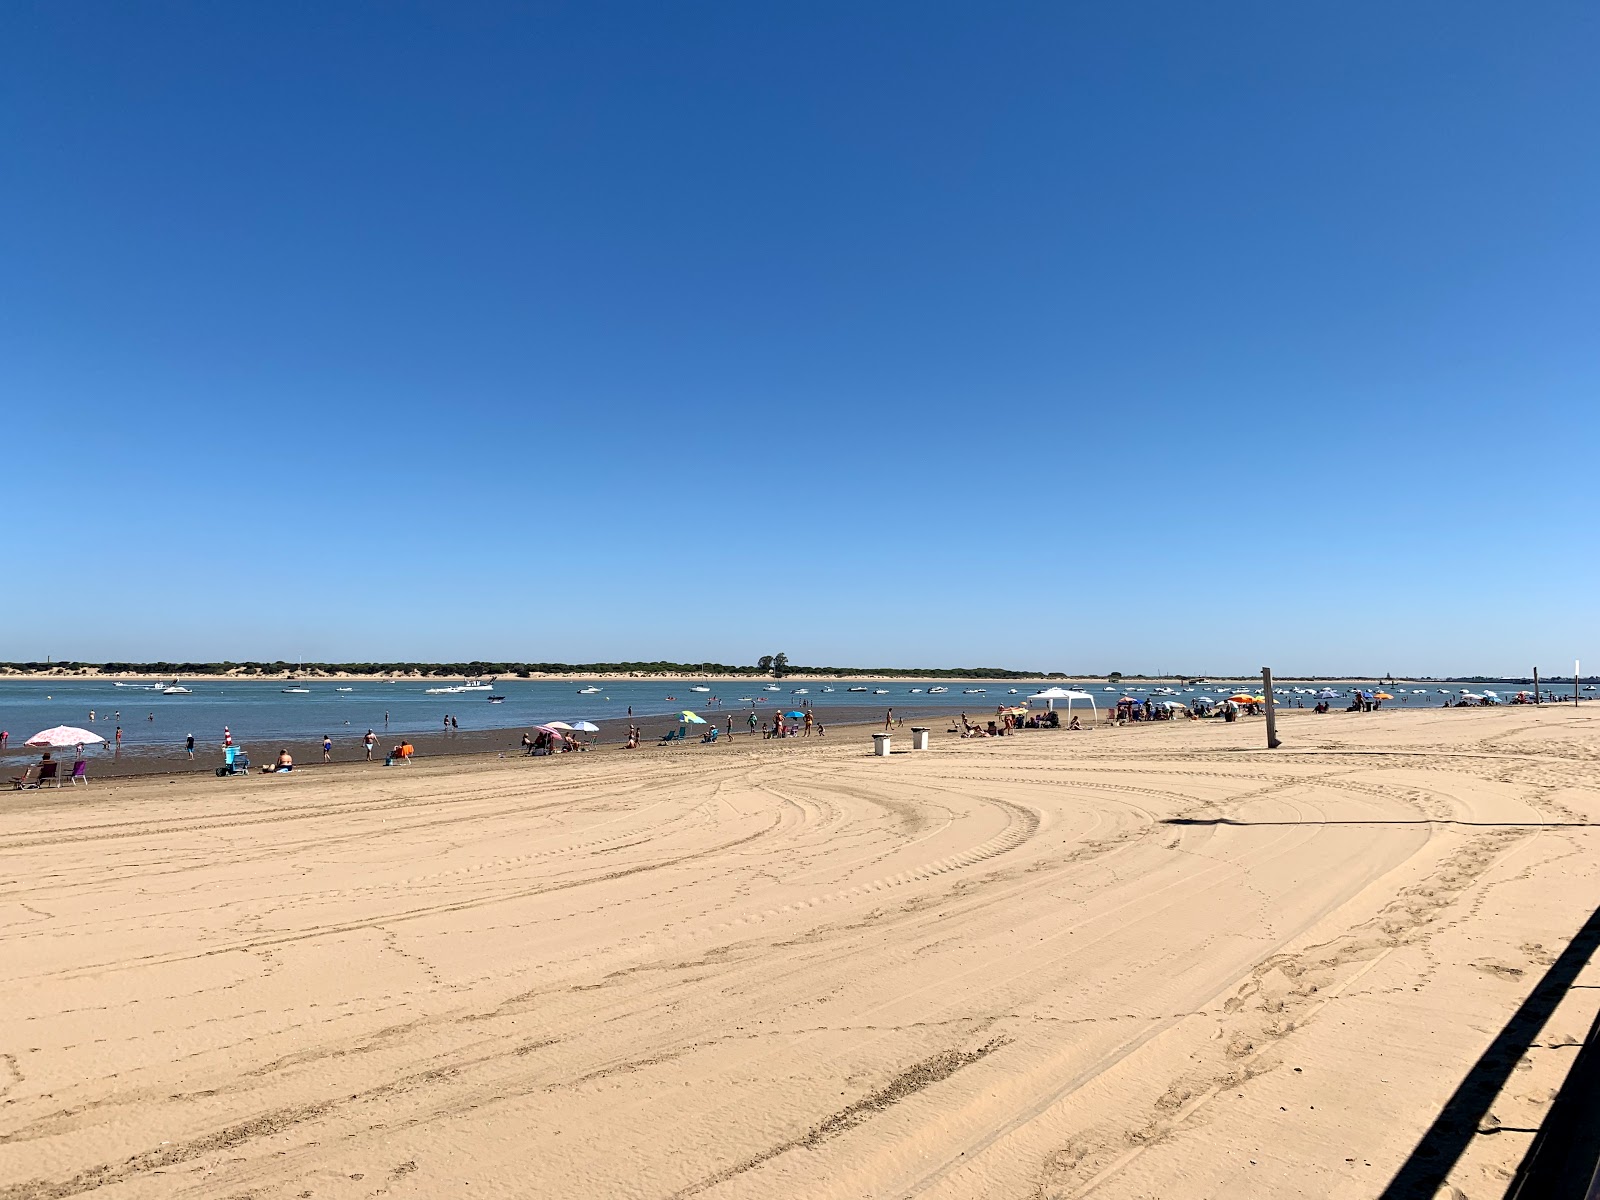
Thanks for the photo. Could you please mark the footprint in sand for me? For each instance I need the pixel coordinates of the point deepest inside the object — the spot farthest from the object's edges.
(1499, 970)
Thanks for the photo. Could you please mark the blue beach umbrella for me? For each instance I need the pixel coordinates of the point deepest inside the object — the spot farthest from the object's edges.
(796, 714)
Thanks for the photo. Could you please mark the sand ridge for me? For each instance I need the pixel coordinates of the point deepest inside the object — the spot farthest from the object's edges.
(1131, 962)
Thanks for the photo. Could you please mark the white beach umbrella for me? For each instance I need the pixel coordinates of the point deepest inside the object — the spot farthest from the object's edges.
(586, 727)
(64, 735)
(557, 725)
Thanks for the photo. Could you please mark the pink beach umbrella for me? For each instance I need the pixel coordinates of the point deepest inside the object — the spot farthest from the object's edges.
(64, 735)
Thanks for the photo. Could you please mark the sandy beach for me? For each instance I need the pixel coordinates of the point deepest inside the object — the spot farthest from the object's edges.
(1146, 961)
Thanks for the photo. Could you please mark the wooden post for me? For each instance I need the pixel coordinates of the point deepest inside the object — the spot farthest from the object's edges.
(1272, 716)
(1536, 685)
(1575, 673)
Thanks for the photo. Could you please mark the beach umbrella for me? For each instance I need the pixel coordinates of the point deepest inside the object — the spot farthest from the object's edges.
(1242, 698)
(64, 735)
(692, 718)
(556, 725)
(586, 727)
(552, 731)
(1327, 694)
(797, 714)
(1382, 696)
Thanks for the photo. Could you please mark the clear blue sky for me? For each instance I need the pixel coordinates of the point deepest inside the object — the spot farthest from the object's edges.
(870, 333)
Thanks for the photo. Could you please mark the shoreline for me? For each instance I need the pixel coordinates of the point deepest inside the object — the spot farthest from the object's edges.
(504, 742)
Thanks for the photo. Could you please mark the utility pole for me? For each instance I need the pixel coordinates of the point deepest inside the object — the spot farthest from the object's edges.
(1272, 713)
(1536, 685)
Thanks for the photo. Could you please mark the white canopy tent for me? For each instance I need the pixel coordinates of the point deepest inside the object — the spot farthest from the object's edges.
(1051, 695)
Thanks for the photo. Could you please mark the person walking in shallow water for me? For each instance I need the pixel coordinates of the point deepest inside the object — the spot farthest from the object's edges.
(188, 744)
(327, 748)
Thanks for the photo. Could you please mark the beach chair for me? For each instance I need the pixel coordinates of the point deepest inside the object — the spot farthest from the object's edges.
(238, 762)
(80, 773)
(680, 734)
(49, 774)
(27, 781)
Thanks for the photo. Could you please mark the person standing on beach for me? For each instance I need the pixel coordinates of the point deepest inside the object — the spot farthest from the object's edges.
(808, 723)
(327, 748)
(369, 741)
(888, 720)
(5, 736)
(188, 745)
(730, 727)
(752, 721)
(119, 737)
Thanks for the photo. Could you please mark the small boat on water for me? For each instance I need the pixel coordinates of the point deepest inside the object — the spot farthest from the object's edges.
(589, 691)
(698, 688)
(296, 690)
(972, 691)
(830, 689)
(914, 691)
(139, 687)
(344, 689)
(799, 692)
(497, 699)
(476, 685)
(747, 699)
(1013, 691)
(934, 691)
(177, 689)
(880, 691)
(855, 689)
(772, 687)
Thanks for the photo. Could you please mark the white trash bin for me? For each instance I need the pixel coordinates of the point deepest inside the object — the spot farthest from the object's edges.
(919, 737)
(880, 745)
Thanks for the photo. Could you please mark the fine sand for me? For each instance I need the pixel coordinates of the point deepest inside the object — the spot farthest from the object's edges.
(1150, 961)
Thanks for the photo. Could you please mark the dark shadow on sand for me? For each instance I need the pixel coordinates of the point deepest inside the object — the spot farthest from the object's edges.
(1459, 1120)
(1419, 821)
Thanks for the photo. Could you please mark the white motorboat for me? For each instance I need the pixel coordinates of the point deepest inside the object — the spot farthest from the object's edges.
(1013, 691)
(772, 687)
(344, 689)
(799, 692)
(914, 691)
(139, 687)
(830, 689)
(855, 689)
(934, 691)
(880, 691)
(698, 688)
(972, 691)
(296, 690)
(589, 691)
(454, 690)
(176, 689)
(476, 685)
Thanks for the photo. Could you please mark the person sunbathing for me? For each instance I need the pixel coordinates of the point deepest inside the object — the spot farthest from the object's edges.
(285, 763)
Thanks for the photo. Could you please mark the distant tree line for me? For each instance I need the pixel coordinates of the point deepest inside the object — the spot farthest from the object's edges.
(773, 664)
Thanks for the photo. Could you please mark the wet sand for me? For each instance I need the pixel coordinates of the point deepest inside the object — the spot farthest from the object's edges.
(1154, 961)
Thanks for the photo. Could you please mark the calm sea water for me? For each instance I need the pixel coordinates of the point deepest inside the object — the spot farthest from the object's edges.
(257, 711)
